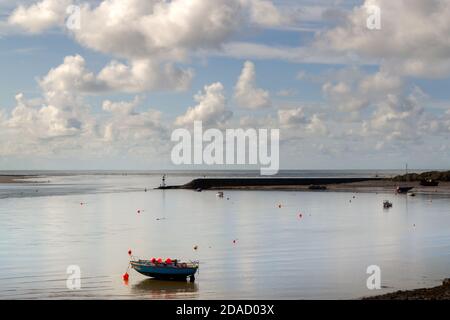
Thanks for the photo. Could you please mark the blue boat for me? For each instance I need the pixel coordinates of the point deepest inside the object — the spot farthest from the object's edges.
(168, 271)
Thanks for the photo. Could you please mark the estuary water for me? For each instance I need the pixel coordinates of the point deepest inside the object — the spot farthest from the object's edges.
(318, 245)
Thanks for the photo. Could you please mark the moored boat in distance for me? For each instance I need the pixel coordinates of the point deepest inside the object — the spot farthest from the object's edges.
(403, 189)
(317, 187)
(167, 270)
(429, 183)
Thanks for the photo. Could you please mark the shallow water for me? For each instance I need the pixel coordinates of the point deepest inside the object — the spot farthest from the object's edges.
(324, 254)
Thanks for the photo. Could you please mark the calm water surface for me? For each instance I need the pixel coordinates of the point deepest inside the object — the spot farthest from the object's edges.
(324, 254)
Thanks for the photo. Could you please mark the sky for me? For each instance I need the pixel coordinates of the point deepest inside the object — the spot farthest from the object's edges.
(102, 85)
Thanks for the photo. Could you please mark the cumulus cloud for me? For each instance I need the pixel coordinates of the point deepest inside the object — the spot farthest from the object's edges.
(246, 93)
(48, 120)
(210, 108)
(291, 117)
(265, 13)
(136, 29)
(40, 16)
(144, 75)
(317, 126)
(413, 40)
(351, 90)
(72, 76)
(129, 127)
(296, 123)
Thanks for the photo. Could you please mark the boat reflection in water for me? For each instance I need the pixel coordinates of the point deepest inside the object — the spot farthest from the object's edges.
(163, 289)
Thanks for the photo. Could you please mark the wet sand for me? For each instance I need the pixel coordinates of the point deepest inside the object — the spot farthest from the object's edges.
(441, 292)
(13, 179)
(370, 185)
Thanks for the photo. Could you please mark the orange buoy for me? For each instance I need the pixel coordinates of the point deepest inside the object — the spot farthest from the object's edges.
(125, 276)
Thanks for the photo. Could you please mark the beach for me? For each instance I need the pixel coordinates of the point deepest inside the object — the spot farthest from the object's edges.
(12, 178)
(441, 292)
(352, 185)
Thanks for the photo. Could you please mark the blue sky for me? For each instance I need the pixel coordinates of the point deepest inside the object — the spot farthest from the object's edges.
(343, 96)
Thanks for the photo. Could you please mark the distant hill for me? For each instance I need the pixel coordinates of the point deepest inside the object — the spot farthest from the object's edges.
(434, 175)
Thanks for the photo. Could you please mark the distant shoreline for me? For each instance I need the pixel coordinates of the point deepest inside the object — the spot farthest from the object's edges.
(369, 185)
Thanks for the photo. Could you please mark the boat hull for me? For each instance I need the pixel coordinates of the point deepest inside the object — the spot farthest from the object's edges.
(403, 189)
(429, 183)
(164, 272)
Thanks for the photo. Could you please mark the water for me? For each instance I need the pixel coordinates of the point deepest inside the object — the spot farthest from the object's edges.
(277, 255)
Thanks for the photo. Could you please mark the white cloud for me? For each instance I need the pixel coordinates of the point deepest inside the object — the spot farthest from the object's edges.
(136, 29)
(414, 37)
(143, 75)
(71, 76)
(129, 128)
(351, 90)
(295, 124)
(40, 16)
(246, 93)
(210, 108)
(265, 13)
(317, 126)
(49, 120)
(121, 107)
(291, 117)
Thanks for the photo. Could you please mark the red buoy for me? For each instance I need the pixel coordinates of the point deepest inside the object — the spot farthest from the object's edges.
(168, 261)
(129, 252)
(159, 260)
(125, 276)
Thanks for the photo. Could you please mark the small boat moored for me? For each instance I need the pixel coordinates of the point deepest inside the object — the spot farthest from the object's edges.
(317, 187)
(403, 189)
(429, 183)
(219, 194)
(167, 270)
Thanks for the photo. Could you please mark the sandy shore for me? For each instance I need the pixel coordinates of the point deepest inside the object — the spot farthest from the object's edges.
(381, 186)
(13, 179)
(370, 185)
(441, 292)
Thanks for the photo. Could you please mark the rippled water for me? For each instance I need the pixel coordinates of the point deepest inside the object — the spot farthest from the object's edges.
(278, 254)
